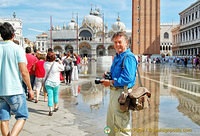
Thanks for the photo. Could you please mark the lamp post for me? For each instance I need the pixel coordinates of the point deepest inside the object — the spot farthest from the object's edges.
(77, 33)
(51, 31)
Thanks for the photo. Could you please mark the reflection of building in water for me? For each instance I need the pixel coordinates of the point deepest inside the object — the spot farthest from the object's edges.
(92, 94)
(189, 105)
(84, 69)
(166, 78)
(191, 85)
(75, 90)
(148, 118)
(67, 95)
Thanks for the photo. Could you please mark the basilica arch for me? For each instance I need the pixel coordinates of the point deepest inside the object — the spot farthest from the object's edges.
(58, 49)
(100, 51)
(85, 49)
(68, 48)
(111, 50)
(86, 33)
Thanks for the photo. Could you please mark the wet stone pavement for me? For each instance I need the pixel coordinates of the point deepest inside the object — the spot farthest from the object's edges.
(174, 110)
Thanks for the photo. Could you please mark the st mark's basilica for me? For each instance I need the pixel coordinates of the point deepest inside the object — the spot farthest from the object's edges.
(91, 39)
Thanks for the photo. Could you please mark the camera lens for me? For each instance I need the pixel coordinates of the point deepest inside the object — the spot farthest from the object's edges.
(98, 81)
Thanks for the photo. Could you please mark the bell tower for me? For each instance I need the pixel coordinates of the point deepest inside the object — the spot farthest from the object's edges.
(146, 27)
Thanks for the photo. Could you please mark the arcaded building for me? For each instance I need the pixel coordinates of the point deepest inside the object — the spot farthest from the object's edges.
(187, 35)
(146, 27)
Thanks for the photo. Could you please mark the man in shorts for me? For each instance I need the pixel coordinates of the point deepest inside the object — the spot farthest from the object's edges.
(12, 70)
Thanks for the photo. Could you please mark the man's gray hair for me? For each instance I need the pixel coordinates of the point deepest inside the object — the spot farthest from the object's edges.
(120, 34)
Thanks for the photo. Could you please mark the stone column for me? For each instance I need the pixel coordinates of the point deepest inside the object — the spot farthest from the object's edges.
(190, 52)
(185, 36)
(198, 36)
(182, 37)
(93, 52)
(194, 51)
(197, 50)
(195, 33)
(106, 50)
(191, 37)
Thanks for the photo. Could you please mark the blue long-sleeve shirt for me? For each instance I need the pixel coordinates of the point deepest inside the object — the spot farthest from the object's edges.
(126, 76)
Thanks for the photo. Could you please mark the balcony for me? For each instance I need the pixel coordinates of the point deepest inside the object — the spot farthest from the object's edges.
(191, 23)
(187, 43)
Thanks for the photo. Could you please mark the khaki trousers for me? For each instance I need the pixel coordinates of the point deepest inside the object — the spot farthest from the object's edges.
(117, 120)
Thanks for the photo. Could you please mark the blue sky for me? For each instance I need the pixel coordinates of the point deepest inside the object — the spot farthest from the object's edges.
(35, 14)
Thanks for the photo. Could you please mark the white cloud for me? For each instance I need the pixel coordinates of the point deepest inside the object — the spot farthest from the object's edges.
(10, 3)
(36, 30)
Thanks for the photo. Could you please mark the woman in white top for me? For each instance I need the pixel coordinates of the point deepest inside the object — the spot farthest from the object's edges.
(75, 67)
(52, 83)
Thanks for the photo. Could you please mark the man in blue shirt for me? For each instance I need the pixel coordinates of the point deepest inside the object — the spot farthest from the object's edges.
(123, 77)
(12, 70)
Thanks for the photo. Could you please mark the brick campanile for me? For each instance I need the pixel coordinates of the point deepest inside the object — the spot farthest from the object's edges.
(146, 27)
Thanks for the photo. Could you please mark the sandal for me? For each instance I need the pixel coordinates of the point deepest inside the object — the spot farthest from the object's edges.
(50, 113)
(55, 109)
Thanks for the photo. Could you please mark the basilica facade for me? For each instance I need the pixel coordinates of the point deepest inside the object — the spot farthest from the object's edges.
(92, 38)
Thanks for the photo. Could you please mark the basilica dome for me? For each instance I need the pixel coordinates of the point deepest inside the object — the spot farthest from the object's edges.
(72, 25)
(94, 21)
(118, 26)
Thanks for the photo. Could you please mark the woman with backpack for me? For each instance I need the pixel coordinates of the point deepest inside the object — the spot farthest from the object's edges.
(67, 62)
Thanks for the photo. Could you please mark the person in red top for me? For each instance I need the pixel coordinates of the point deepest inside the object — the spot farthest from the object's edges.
(39, 76)
(78, 59)
(31, 60)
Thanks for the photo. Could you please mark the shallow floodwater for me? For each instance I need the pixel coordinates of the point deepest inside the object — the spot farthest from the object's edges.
(175, 103)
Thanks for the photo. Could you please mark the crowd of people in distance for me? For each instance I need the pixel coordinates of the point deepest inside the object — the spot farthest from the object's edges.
(185, 61)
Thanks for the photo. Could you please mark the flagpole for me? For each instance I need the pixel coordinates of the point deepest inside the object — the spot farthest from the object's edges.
(77, 34)
(51, 31)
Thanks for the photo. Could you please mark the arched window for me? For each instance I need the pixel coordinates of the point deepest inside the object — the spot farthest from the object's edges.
(160, 47)
(166, 35)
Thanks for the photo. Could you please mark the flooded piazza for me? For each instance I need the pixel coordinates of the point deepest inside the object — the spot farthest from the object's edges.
(174, 109)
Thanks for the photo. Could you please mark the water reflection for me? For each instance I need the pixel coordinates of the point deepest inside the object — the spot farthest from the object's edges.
(145, 121)
(83, 69)
(175, 101)
(189, 106)
(92, 95)
(95, 68)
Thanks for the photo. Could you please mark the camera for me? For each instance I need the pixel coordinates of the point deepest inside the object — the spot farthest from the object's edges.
(106, 76)
(98, 80)
(57, 60)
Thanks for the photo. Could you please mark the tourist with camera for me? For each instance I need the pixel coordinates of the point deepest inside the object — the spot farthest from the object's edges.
(121, 78)
(52, 80)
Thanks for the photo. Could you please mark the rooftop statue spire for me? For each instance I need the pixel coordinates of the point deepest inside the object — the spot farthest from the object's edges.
(14, 15)
(118, 19)
(91, 12)
(73, 20)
